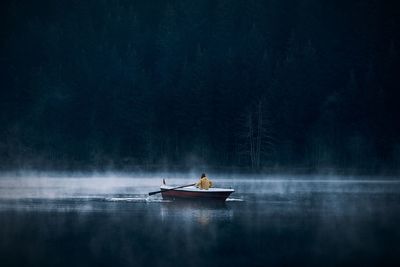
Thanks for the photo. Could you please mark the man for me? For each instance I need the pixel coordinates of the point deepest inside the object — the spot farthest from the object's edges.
(204, 182)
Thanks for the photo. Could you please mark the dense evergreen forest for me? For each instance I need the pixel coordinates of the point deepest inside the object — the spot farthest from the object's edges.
(184, 83)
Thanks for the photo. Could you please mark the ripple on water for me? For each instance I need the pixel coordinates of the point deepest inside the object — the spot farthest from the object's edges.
(136, 199)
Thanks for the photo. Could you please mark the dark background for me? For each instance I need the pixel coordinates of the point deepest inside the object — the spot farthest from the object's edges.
(250, 84)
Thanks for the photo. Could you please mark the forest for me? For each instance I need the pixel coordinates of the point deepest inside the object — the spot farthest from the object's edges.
(241, 84)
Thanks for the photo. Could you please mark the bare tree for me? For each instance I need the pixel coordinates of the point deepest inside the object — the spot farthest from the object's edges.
(256, 134)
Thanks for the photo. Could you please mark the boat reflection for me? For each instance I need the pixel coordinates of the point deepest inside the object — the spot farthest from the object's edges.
(201, 213)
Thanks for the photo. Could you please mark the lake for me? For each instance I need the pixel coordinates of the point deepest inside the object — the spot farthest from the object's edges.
(273, 220)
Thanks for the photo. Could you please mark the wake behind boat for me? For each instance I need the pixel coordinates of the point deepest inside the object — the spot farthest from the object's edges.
(194, 193)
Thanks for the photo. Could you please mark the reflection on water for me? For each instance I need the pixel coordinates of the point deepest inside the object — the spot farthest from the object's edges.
(200, 212)
(266, 222)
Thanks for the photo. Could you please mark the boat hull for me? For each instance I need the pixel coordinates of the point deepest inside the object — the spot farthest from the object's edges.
(196, 194)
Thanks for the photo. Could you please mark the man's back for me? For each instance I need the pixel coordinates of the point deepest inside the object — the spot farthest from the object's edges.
(204, 183)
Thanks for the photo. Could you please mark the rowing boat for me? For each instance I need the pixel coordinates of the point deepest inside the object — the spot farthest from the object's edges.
(194, 193)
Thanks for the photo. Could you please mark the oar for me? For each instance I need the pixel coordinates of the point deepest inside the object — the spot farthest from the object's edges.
(156, 192)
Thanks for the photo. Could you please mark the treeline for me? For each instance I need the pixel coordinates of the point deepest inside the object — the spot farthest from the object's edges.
(183, 83)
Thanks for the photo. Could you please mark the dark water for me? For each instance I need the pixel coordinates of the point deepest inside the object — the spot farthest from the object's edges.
(295, 221)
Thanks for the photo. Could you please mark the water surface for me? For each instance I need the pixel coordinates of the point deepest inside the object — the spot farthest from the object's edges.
(268, 221)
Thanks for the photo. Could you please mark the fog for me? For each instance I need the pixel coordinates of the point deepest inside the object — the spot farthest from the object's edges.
(63, 185)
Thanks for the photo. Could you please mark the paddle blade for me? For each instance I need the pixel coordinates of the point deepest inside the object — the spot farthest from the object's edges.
(153, 193)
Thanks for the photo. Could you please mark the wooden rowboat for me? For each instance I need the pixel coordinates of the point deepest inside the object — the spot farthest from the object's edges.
(194, 193)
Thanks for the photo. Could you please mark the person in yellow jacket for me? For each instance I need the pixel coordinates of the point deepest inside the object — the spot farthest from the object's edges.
(204, 182)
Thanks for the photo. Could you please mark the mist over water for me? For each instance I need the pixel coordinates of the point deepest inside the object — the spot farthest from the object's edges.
(275, 220)
(84, 186)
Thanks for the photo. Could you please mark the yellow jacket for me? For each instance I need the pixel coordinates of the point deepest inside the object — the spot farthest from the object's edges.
(204, 183)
